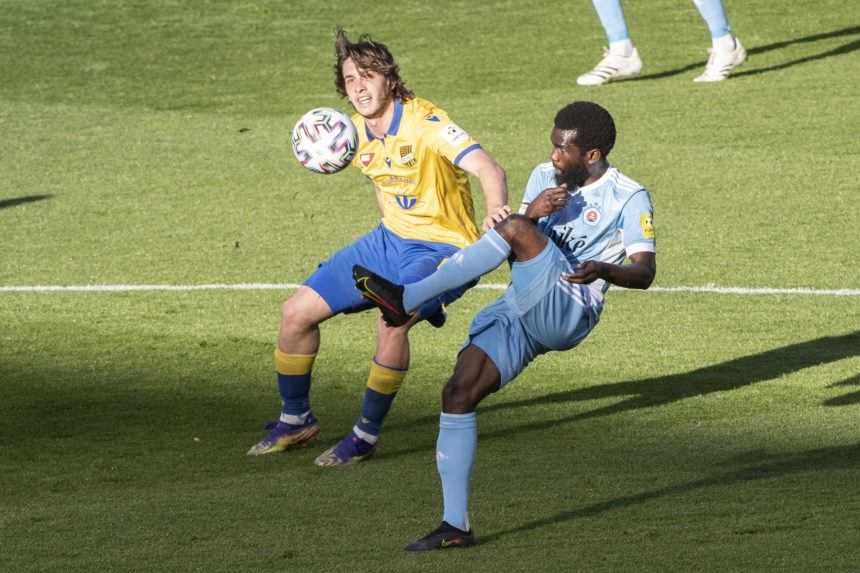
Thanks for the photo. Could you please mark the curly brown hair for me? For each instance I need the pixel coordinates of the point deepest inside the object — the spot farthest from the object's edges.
(367, 55)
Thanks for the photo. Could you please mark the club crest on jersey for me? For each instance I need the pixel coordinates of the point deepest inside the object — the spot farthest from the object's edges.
(407, 157)
(591, 216)
(405, 201)
(365, 158)
(433, 118)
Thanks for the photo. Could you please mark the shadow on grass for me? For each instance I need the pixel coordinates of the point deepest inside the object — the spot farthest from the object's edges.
(15, 201)
(660, 391)
(824, 459)
(847, 399)
(730, 375)
(103, 388)
(844, 49)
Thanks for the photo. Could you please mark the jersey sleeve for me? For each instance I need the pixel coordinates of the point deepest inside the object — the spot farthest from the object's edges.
(447, 138)
(638, 224)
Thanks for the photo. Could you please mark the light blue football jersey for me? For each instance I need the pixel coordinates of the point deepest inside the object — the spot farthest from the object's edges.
(607, 220)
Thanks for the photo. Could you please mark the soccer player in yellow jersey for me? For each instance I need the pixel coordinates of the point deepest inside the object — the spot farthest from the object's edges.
(418, 161)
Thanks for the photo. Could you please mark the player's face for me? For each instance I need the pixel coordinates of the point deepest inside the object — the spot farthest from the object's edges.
(568, 159)
(369, 92)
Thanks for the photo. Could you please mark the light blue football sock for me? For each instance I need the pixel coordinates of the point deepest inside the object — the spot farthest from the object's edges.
(612, 19)
(455, 453)
(464, 266)
(715, 16)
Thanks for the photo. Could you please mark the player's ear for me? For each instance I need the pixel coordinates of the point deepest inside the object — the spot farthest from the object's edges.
(593, 156)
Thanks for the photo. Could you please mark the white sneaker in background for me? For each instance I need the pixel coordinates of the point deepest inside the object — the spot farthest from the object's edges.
(612, 67)
(722, 62)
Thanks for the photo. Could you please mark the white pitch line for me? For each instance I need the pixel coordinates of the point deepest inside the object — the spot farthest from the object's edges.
(713, 289)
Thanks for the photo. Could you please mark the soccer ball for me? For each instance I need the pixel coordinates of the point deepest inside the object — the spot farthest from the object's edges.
(324, 140)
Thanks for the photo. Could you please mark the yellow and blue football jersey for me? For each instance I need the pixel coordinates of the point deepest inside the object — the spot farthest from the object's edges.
(425, 195)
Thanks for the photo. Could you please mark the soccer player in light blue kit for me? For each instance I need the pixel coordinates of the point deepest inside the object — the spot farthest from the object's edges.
(579, 220)
(621, 59)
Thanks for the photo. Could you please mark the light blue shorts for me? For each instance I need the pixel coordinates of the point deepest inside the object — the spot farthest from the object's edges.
(539, 312)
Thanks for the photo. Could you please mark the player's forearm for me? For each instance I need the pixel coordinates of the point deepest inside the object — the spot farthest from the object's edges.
(634, 275)
(494, 185)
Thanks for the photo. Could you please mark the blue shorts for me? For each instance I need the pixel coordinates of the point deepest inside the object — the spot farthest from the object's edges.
(539, 312)
(399, 260)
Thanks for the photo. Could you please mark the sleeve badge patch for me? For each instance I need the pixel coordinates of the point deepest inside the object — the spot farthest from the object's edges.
(453, 134)
(646, 221)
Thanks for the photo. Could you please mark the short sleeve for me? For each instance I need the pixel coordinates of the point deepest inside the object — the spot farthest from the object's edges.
(638, 224)
(447, 138)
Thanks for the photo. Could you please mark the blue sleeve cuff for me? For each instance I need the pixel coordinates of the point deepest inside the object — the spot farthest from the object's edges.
(465, 152)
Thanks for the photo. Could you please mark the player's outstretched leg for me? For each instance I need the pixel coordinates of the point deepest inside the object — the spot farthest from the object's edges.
(464, 266)
(383, 293)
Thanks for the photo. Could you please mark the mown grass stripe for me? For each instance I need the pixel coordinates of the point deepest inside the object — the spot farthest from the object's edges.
(706, 289)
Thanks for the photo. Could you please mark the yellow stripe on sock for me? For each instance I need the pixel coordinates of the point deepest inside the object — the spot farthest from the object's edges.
(385, 380)
(293, 364)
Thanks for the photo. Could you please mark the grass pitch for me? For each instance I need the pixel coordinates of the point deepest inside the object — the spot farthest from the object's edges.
(146, 143)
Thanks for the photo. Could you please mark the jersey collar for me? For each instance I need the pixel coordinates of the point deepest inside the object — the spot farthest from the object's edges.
(394, 126)
(599, 182)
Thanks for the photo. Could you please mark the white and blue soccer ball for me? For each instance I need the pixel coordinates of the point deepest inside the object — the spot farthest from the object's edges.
(324, 140)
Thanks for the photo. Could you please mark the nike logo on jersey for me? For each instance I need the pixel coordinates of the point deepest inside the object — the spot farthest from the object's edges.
(568, 239)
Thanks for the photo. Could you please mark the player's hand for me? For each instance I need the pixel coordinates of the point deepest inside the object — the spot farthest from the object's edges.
(585, 273)
(496, 217)
(549, 201)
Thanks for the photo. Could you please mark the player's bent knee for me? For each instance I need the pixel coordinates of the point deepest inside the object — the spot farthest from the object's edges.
(294, 317)
(459, 396)
(514, 226)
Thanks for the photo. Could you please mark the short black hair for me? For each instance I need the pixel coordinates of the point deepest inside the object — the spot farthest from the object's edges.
(592, 123)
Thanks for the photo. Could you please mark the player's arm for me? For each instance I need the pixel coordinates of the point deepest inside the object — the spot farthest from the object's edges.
(494, 184)
(637, 224)
(638, 274)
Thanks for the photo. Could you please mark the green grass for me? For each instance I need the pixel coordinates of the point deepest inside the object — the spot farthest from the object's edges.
(147, 143)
